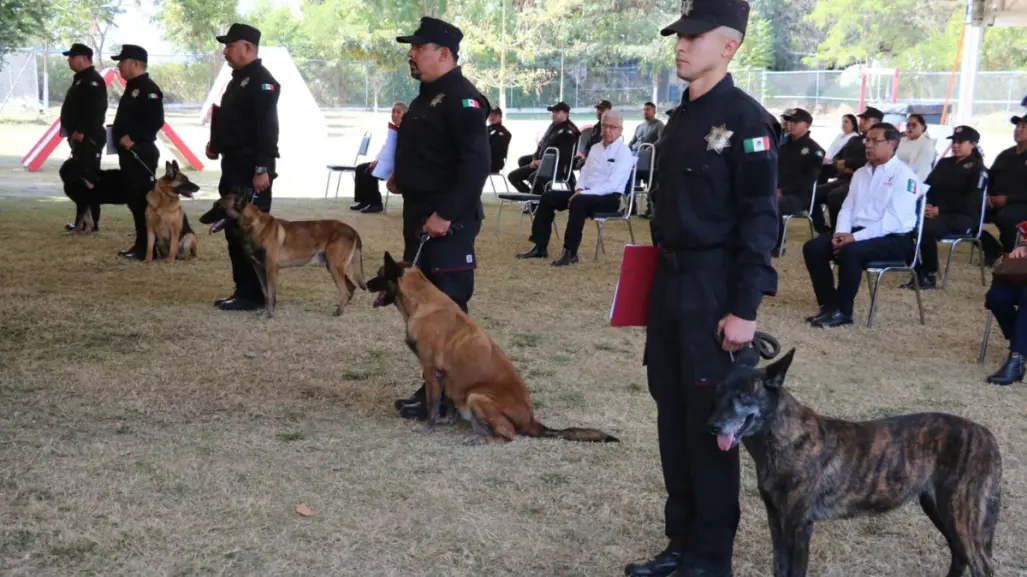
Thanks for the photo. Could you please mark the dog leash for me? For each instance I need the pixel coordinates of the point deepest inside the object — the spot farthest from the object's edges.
(140, 160)
(425, 237)
(766, 345)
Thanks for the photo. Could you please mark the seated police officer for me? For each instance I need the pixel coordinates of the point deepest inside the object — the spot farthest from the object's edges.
(1007, 193)
(953, 201)
(499, 140)
(798, 165)
(562, 134)
(603, 180)
(874, 224)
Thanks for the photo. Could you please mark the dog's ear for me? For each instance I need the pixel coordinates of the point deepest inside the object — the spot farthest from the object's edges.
(391, 268)
(774, 373)
(240, 202)
(174, 164)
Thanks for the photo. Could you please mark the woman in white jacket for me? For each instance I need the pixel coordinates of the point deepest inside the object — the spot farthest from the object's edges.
(917, 149)
(849, 130)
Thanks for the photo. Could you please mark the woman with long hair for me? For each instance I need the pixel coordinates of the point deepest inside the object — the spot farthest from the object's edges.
(917, 148)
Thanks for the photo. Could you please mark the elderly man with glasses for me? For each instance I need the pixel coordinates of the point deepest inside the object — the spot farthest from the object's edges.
(604, 178)
(874, 224)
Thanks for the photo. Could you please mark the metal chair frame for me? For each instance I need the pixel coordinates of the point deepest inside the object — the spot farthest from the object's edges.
(365, 144)
(807, 214)
(975, 242)
(909, 267)
(625, 213)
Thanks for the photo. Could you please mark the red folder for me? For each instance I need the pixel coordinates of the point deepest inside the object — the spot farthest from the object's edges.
(631, 296)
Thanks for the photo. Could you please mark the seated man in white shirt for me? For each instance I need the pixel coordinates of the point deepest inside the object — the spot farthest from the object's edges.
(604, 178)
(874, 224)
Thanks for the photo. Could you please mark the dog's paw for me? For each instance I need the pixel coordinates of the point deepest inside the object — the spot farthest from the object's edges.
(425, 429)
(338, 312)
(473, 440)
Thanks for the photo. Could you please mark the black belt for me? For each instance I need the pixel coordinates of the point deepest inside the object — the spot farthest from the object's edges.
(673, 257)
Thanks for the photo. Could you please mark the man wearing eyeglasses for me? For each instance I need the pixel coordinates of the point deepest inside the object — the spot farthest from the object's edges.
(874, 224)
(604, 179)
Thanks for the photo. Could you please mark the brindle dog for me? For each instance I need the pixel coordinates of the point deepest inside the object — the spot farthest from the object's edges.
(812, 468)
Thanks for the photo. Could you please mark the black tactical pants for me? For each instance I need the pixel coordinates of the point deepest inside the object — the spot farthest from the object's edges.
(934, 229)
(1006, 219)
(238, 172)
(87, 155)
(139, 177)
(449, 262)
(684, 363)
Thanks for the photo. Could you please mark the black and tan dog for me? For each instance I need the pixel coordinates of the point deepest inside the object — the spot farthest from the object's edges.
(812, 468)
(109, 189)
(456, 354)
(274, 243)
(167, 231)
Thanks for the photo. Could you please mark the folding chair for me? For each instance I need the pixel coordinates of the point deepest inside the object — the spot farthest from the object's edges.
(807, 214)
(880, 268)
(548, 165)
(647, 159)
(506, 183)
(624, 213)
(365, 143)
(953, 241)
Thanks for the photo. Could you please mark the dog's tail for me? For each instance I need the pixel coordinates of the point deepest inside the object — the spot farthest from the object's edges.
(356, 262)
(537, 429)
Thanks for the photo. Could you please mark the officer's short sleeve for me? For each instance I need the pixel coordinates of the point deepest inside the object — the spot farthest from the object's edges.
(153, 109)
(473, 155)
(754, 185)
(264, 98)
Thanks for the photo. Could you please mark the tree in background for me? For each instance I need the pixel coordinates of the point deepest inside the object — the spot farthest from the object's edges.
(193, 25)
(20, 22)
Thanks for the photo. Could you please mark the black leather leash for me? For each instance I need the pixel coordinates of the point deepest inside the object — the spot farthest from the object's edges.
(766, 345)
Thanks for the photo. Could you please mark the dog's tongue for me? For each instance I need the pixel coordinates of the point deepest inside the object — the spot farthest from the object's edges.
(217, 226)
(378, 299)
(725, 441)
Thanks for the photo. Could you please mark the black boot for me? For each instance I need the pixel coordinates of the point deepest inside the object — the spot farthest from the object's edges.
(358, 206)
(567, 258)
(665, 563)
(535, 252)
(927, 281)
(417, 397)
(1011, 372)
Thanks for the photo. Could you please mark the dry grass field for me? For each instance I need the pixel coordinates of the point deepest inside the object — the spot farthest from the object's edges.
(142, 432)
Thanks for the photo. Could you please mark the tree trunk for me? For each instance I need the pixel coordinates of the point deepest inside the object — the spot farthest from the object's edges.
(561, 75)
(656, 86)
(46, 77)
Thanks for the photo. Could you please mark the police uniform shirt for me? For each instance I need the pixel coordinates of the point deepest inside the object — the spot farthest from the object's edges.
(956, 185)
(717, 170)
(563, 136)
(607, 169)
(1008, 176)
(247, 123)
(442, 153)
(881, 200)
(499, 143)
(85, 106)
(799, 163)
(140, 111)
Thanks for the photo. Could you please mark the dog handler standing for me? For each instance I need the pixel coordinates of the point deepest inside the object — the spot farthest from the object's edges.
(139, 117)
(715, 225)
(82, 116)
(245, 134)
(442, 163)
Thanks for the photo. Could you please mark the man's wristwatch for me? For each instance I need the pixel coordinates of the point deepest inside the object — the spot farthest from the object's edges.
(260, 170)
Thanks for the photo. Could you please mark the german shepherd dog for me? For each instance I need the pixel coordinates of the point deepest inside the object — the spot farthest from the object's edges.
(109, 189)
(165, 221)
(458, 356)
(273, 243)
(812, 468)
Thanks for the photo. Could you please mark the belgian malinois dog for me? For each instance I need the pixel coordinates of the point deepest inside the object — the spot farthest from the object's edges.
(812, 468)
(273, 243)
(165, 220)
(458, 356)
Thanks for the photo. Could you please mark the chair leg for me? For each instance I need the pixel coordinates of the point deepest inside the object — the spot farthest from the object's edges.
(385, 209)
(812, 231)
(919, 301)
(599, 238)
(784, 232)
(631, 231)
(338, 183)
(873, 297)
(974, 245)
(987, 335)
(948, 264)
(328, 182)
(499, 215)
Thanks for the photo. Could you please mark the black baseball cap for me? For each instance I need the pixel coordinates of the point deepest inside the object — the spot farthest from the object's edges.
(131, 51)
(435, 31)
(560, 107)
(496, 110)
(871, 112)
(604, 105)
(1018, 119)
(798, 115)
(239, 31)
(701, 16)
(79, 50)
(965, 134)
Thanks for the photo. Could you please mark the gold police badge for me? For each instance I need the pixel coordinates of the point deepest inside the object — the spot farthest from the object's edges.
(719, 138)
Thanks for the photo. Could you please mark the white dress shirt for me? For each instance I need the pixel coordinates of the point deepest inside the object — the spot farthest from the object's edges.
(881, 200)
(607, 169)
(918, 155)
(836, 146)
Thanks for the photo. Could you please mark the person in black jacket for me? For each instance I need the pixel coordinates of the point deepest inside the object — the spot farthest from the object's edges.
(140, 116)
(244, 132)
(442, 163)
(562, 134)
(82, 116)
(798, 164)
(953, 201)
(499, 140)
(1007, 194)
(849, 159)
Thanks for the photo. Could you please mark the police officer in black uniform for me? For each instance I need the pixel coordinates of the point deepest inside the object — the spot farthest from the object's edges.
(82, 116)
(244, 132)
(140, 116)
(953, 201)
(442, 163)
(562, 134)
(715, 223)
(499, 140)
(799, 161)
(1007, 193)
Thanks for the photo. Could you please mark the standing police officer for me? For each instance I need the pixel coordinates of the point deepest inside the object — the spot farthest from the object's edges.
(442, 163)
(82, 115)
(140, 116)
(716, 222)
(245, 134)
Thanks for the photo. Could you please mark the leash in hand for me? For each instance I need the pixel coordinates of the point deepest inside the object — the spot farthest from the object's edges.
(425, 237)
(766, 345)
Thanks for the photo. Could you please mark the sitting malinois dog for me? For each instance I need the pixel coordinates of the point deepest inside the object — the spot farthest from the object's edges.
(165, 221)
(812, 468)
(273, 243)
(456, 354)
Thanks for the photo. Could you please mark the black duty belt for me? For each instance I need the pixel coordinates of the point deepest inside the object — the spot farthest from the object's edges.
(673, 257)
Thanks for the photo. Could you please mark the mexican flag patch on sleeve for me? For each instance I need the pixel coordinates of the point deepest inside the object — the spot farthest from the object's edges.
(268, 87)
(911, 186)
(153, 96)
(756, 144)
(470, 103)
